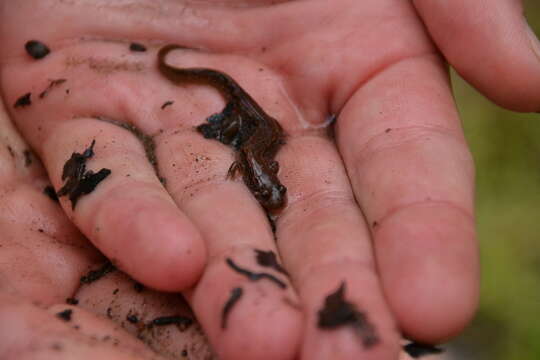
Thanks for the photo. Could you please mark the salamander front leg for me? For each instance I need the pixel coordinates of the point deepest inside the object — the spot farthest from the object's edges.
(236, 168)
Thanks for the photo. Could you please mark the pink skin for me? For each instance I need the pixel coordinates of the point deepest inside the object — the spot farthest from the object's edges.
(42, 258)
(387, 206)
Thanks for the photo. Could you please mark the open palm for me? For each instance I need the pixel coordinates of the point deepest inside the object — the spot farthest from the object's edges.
(381, 201)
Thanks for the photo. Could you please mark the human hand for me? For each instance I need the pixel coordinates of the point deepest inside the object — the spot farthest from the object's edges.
(398, 134)
(42, 260)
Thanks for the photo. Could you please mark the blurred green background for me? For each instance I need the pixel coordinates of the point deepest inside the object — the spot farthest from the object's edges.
(506, 149)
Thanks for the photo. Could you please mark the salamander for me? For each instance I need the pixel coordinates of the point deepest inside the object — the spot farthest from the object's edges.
(242, 124)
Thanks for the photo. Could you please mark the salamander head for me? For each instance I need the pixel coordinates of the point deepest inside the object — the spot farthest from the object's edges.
(272, 197)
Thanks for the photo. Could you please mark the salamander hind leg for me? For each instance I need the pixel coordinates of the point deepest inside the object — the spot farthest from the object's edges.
(236, 168)
(274, 166)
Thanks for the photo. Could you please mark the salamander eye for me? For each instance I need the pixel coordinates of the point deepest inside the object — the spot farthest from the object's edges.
(265, 193)
(282, 189)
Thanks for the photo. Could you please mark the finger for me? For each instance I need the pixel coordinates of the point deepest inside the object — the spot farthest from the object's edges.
(323, 224)
(16, 156)
(260, 324)
(413, 176)
(163, 321)
(132, 220)
(145, 20)
(490, 45)
(275, 313)
(42, 254)
(129, 216)
(257, 320)
(245, 314)
(29, 332)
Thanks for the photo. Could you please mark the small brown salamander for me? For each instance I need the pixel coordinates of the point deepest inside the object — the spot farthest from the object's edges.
(242, 124)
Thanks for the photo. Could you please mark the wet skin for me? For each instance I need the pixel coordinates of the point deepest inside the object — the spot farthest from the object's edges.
(396, 144)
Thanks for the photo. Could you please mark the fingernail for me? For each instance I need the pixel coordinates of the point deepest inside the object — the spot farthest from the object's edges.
(535, 44)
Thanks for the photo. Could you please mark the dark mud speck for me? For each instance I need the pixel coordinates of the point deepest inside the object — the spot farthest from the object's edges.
(23, 101)
(72, 301)
(65, 315)
(166, 103)
(236, 294)
(94, 275)
(36, 49)
(338, 312)
(269, 259)
(136, 47)
(417, 350)
(253, 276)
(79, 181)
